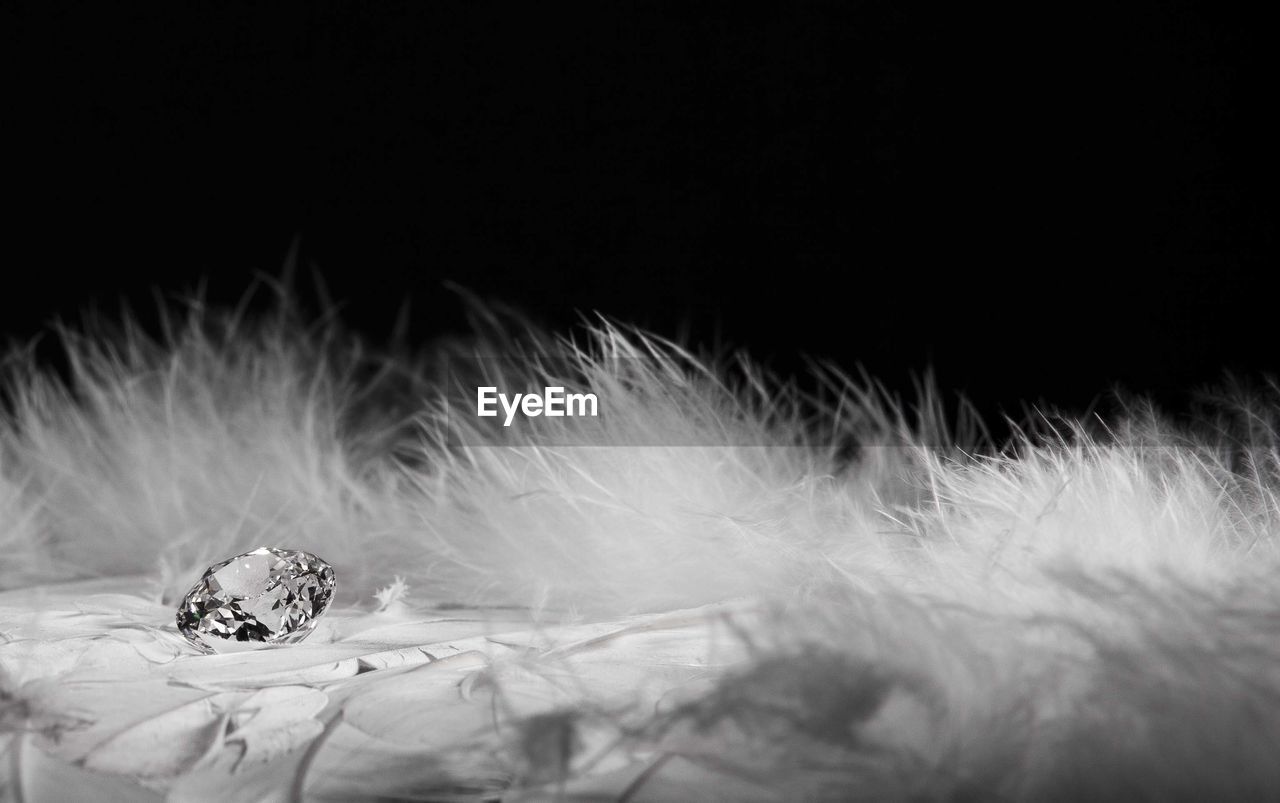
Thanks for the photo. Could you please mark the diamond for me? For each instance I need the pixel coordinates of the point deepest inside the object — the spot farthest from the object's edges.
(267, 596)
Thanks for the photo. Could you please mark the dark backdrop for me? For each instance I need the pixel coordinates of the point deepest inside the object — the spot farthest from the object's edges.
(1041, 203)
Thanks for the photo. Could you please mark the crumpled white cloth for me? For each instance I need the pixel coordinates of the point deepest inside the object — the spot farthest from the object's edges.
(105, 700)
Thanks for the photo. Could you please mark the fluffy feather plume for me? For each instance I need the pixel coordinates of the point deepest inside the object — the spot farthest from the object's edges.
(722, 589)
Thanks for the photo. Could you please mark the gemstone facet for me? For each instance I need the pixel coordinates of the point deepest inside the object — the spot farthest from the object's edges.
(267, 596)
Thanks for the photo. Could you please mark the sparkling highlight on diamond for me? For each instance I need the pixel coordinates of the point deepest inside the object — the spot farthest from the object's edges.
(267, 596)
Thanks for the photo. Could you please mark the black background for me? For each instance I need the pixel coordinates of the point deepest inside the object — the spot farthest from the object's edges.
(1041, 203)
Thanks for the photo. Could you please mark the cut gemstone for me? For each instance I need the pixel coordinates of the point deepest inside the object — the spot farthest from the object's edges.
(267, 596)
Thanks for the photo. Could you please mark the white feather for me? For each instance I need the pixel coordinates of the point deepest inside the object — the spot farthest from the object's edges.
(805, 600)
